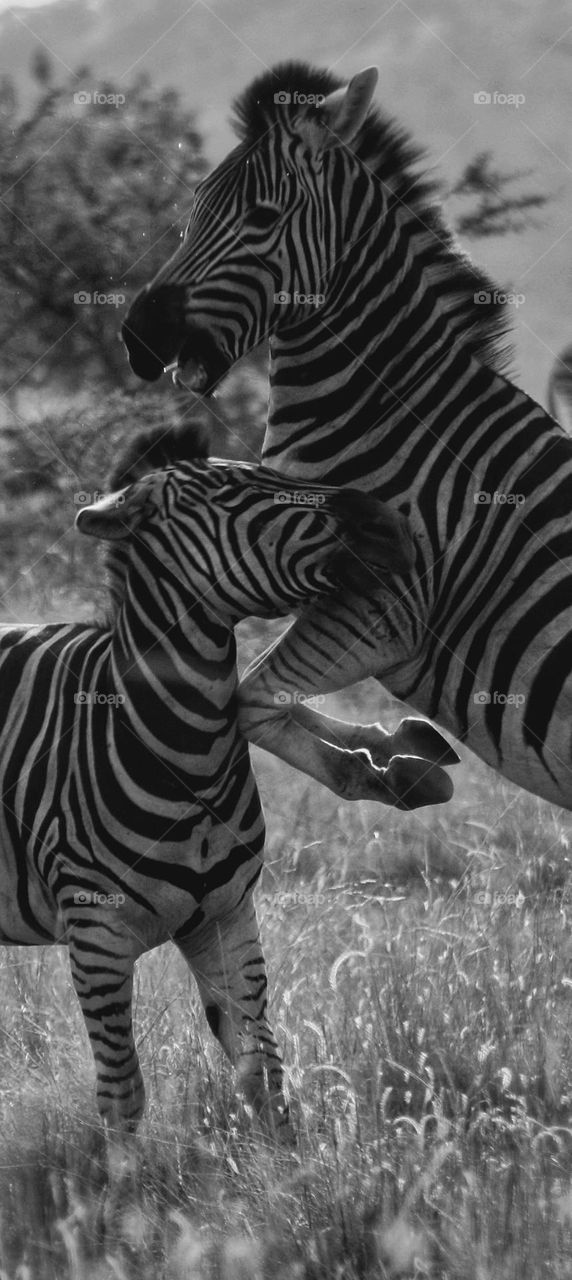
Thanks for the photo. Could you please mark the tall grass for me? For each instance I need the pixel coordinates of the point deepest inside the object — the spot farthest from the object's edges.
(420, 969)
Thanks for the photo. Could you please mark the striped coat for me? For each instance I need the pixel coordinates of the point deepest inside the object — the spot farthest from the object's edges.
(386, 372)
(130, 814)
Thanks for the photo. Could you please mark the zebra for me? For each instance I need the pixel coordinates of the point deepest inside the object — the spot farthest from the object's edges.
(387, 351)
(130, 814)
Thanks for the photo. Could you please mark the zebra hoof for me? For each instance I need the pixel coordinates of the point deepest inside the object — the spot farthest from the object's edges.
(415, 737)
(415, 782)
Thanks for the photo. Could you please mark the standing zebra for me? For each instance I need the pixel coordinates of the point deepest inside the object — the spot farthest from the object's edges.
(130, 813)
(386, 350)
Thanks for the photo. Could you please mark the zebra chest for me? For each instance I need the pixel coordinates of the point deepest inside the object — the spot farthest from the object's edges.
(158, 888)
(175, 861)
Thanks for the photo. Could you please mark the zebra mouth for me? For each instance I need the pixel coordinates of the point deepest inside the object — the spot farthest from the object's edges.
(191, 376)
(200, 366)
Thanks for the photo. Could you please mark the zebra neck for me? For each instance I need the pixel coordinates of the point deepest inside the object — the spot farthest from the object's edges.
(326, 412)
(172, 667)
(466, 449)
(373, 365)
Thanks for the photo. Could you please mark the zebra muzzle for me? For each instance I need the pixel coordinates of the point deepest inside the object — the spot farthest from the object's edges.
(200, 364)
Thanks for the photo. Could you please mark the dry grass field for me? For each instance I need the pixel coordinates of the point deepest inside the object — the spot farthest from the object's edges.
(420, 973)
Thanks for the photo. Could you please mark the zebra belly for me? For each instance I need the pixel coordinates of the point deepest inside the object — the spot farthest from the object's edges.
(521, 727)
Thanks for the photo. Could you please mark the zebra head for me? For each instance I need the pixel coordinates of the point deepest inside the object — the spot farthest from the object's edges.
(241, 542)
(262, 249)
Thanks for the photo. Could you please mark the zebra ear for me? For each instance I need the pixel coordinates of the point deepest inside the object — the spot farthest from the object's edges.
(115, 516)
(343, 112)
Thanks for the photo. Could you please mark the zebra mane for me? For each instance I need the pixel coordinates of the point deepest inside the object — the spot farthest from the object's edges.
(157, 448)
(389, 152)
(147, 451)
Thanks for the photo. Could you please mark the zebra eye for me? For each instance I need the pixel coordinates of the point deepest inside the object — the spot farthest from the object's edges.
(262, 218)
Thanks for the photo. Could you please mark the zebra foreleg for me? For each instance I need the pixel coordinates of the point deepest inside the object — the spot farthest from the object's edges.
(412, 737)
(277, 711)
(102, 962)
(406, 782)
(231, 976)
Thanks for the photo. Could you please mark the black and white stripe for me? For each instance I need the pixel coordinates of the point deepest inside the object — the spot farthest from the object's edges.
(393, 384)
(129, 813)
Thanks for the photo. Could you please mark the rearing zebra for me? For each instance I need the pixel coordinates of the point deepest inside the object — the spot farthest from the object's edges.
(385, 374)
(130, 813)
